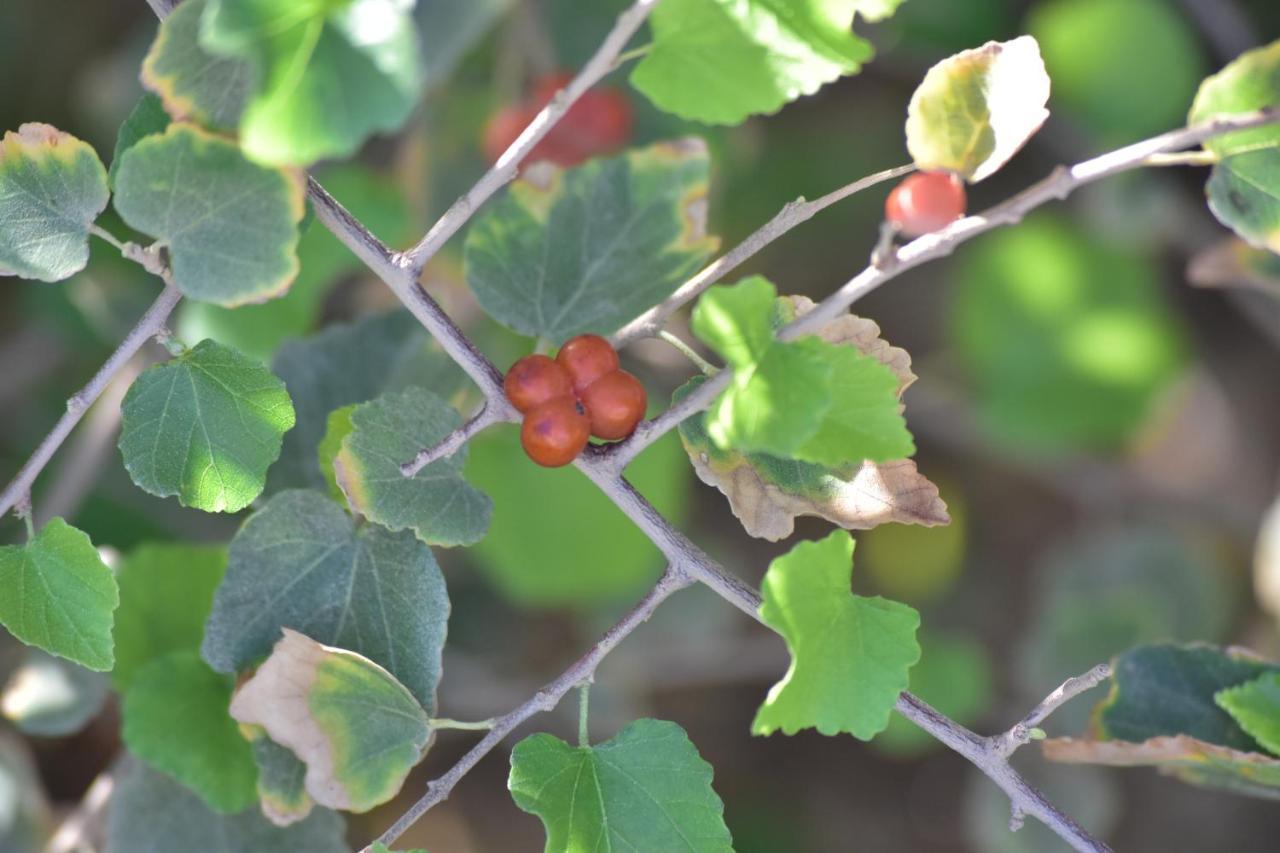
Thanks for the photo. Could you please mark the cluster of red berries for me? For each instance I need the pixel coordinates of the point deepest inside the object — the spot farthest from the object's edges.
(925, 202)
(598, 123)
(580, 393)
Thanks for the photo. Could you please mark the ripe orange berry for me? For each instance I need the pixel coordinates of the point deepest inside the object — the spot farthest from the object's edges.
(586, 358)
(554, 433)
(925, 202)
(615, 404)
(535, 379)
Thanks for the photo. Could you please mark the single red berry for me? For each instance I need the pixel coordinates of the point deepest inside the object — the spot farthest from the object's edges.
(615, 404)
(535, 379)
(598, 123)
(587, 358)
(554, 433)
(925, 202)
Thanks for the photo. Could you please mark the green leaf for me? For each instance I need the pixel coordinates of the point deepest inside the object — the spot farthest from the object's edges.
(146, 117)
(449, 30)
(975, 110)
(719, 61)
(1244, 193)
(175, 719)
(437, 503)
(1250, 82)
(204, 426)
(258, 330)
(60, 596)
(52, 187)
(737, 321)
(327, 74)
(350, 364)
(231, 227)
(358, 730)
(166, 590)
(47, 696)
(379, 847)
(1168, 690)
(338, 427)
(1067, 341)
(552, 541)
(193, 84)
(281, 779)
(644, 789)
(300, 562)
(849, 654)
(954, 676)
(1255, 705)
(587, 249)
(150, 813)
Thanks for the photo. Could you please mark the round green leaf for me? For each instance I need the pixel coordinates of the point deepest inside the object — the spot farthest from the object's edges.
(192, 84)
(231, 227)
(52, 187)
(327, 73)
(1244, 194)
(1251, 82)
(176, 720)
(204, 426)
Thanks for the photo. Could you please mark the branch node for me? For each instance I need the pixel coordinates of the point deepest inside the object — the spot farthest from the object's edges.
(1016, 817)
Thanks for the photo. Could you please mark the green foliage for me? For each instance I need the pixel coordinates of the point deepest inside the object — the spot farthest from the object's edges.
(166, 590)
(47, 696)
(1255, 706)
(337, 427)
(975, 110)
(807, 399)
(281, 780)
(552, 540)
(719, 61)
(175, 719)
(1126, 69)
(1066, 340)
(300, 562)
(146, 117)
(1250, 82)
(204, 426)
(379, 847)
(587, 249)
(60, 596)
(53, 187)
(150, 813)
(358, 730)
(1244, 193)
(954, 676)
(193, 84)
(437, 503)
(644, 789)
(849, 654)
(231, 227)
(326, 74)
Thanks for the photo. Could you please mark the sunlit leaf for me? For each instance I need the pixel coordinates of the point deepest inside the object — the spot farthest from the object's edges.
(644, 789)
(59, 595)
(175, 719)
(204, 426)
(338, 427)
(437, 503)
(850, 655)
(52, 187)
(358, 730)
(192, 83)
(587, 249)
(327, 75)
(1250, 82)
(230, 226)
(1244, 193)
(1255, 705)
(975, 110)
(300, 562)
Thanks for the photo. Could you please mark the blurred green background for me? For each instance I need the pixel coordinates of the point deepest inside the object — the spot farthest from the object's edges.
(1103, 431)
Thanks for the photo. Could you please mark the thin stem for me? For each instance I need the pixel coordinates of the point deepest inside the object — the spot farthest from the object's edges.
(1024, 730)
(106, 235)
(1182, 158)
(707, 368)
(446, 723)
(584, 706)
(484, 418)
(24, 511)
(628, 55)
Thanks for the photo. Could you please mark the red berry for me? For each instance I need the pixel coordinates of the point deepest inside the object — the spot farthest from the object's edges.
(925, 202)
(554, 433)
(535, 379)
(587, 358)
(615, 404)
(598, 123)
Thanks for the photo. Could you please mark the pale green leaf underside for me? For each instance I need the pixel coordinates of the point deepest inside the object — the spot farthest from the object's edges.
(439, 505)
(1250, 82)
(1244, 193)
(850, 655)
(1255, 705)
(52, 187)
(645, 789)
(59, 595)
(205, 427)
(231, 226)
(719, 61)
(299, 562)
(358, 730)
(193, 84)
(587, 249)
